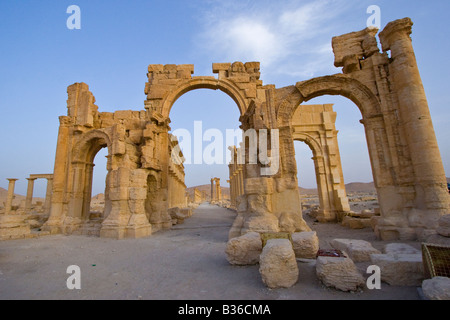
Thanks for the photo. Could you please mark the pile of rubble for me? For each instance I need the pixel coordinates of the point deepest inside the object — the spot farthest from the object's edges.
(278, 255)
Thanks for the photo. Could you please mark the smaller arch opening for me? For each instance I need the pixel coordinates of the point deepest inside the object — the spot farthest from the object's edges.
(98, 188)
(306, 174)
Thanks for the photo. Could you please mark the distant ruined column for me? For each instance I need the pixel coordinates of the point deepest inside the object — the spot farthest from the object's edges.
(212, 190)
(29, 199)
(218, 190)
(10, 196)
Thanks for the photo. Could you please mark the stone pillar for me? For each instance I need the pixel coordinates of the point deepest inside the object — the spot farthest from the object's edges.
(326, 214)
(241, 181)
(10, 196)
(54, 222)
(76, 200)
(218, 190)
(48, 196)
(212, 190)
(432, 198)
(29, 199)
(87, 192)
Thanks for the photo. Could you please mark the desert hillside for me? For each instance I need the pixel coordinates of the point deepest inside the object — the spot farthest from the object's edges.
(17, 198)
(353, 187)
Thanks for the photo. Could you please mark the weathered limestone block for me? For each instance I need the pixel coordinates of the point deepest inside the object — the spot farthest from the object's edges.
(339, 272)
(259, 203)
(261, 223)
(292, 222)
(178, 215)
(236, 227)
(400, 269)
(358, 250)
(356, 223)
(437, 288)
(186, 212)
(438, 239)
(244, 250)
(138, 226)
(444, 226)
(391, 233)
(13, 226)
(353, 47)
(278, 266)
(306, 244)
(367, 214)
(400, 248)
(258, 185)
(137, 193)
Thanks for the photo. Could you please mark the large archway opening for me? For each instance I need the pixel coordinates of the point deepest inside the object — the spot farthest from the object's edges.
(306, 175)
(343, 171)
(206, 123)
(353, 152)
(87, 209)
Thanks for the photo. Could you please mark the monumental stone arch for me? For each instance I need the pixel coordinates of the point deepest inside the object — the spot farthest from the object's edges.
(406, 164)
(145, 184)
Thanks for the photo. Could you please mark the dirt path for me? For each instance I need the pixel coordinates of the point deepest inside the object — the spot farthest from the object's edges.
(187, 262)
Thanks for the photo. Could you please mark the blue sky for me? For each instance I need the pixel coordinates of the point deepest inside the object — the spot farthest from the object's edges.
(118, 39)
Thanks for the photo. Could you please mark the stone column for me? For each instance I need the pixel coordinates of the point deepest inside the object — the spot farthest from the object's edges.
(212, 190)
(326, 214)
(431, 193)
(59, 184)
(48, 196)
(10, 196)
(240, 180)
(218, 190)
(29, 199)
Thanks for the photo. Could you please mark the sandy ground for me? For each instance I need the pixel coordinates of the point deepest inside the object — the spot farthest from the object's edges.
(187, 262)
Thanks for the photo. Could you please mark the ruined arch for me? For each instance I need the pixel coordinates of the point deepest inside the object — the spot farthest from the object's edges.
(375, 128)
(90, 143)
(403, 151)
(312, 143)
(315, 125)
(225, 86)
(341, 85)
(166, 83)
(81, 173)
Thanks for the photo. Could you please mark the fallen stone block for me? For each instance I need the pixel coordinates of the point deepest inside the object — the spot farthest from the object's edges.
(365, 213)
(278, 266)
(13, 227)
(186, 212)
(444, 226)
(358, 250)
(438, 239)
(244, 250)
(266, 236)
(356, 222)
(339, 272)
(305, 244)
(400, 248)
(437, 288)
(400, 269)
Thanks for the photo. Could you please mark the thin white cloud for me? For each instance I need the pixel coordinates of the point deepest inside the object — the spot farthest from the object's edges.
(247, 39)
(287, 40)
